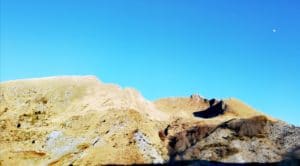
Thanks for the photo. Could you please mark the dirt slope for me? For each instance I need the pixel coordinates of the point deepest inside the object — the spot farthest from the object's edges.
(82, 121)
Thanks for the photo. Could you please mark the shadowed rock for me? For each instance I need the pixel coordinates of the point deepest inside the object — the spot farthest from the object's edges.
(215, 109)
(295, 153)
(292, 157)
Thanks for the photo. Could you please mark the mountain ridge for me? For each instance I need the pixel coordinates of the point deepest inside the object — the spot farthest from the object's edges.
(80, 120)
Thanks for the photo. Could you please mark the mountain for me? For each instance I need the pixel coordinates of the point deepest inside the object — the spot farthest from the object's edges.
(79, 120)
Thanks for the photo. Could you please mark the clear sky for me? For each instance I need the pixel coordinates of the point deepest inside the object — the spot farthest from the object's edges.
(217, 48)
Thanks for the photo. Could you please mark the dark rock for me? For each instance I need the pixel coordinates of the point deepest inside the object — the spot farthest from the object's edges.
(215, 109)
(212, 102)
(294, 154)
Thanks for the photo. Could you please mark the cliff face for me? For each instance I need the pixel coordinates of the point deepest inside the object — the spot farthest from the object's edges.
(82, 121)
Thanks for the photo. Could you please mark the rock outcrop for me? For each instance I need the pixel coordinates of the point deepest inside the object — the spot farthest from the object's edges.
(215, 108)
(82, 121)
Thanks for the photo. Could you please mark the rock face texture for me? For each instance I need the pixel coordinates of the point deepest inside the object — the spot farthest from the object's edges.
(82, 121)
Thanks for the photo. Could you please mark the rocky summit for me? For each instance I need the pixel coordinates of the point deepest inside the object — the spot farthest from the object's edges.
(83, 121)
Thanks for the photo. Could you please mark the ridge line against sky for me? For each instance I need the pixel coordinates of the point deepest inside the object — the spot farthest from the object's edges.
(244, 49)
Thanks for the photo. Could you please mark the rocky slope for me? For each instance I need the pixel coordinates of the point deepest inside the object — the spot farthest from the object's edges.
(82, 121)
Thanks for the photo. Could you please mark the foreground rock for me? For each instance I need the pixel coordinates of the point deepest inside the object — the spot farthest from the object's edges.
(81, 121)
(237, 140)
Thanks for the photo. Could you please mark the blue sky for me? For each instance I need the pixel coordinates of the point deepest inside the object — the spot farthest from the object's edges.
(217, 48)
